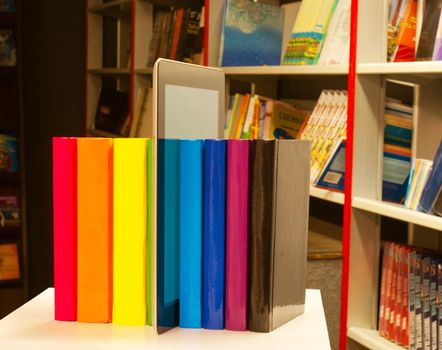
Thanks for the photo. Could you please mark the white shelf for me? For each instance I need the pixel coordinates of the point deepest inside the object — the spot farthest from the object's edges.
(371, 339)
(287, 70)
(32, 326)
(330, 196)
(398, 212)
(116, 8)
(109, 71)
(431, 68)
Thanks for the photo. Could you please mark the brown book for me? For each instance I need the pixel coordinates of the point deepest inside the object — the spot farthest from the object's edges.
(280, 173)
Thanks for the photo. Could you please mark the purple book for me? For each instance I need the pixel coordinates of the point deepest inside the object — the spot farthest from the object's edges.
(237, 234)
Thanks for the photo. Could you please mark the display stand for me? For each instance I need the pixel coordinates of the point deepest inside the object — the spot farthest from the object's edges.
(32, 326)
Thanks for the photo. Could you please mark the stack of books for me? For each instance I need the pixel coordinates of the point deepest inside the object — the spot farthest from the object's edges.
(398, 132)
(258, 117)
(178, 34)
(410, 304)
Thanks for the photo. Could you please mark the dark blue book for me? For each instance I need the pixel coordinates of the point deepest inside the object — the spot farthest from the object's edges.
(168, 234)
(434, 183)
(214, 233)
(398, 136)
(191, 232)
(395, 175)
(332, 176)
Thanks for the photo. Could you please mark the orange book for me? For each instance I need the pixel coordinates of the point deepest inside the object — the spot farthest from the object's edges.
(406, 39)
(95, 172)
(176, 34)
(241, 116)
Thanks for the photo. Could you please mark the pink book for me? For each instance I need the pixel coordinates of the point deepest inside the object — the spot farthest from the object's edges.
(237, 234)
(65, 227)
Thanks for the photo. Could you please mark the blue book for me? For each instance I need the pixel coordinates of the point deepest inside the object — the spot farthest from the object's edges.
(434, 183)
(214, 233)
(251, 34)
(191, 232)
(333, 174)
(398, 136)
(168, 234)
(396, 172)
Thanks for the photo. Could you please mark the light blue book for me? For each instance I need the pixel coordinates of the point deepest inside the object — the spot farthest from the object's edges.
(191, 232)
(251, 34)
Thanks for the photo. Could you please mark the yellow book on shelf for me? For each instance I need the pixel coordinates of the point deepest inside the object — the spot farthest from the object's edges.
(130, 232)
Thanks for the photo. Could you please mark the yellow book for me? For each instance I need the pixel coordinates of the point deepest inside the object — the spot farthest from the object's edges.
(130, 232)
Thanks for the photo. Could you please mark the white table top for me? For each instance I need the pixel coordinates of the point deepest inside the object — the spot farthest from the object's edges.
(32, 326)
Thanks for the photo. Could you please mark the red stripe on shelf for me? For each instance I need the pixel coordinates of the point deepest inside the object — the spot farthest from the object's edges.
(206, 33)
(348, 175)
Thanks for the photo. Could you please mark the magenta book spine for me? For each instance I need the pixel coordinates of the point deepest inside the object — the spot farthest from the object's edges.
(65, 227)
(237, 234)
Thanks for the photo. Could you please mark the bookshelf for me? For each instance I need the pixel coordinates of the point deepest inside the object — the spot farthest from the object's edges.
(13, 291)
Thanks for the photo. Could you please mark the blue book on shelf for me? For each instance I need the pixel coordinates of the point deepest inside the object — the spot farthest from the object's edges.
(395, 175)
(333, 175)
(251, 34)
(434, 183)
(191, 232)
(214, 233)
(168, 233)
(398, 136)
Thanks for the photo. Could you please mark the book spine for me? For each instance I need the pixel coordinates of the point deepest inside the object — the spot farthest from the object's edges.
(434, 183)
(404, 336)
(191, 232)
(237, 234)
(95, 171)
(399, 295)
(168, 233)
(383, 287)
(411, 303)
(130, 231)
(439, 304)
(394, 276)
(418, 301)
(214, 235)
(433, 306)
(388, 290)
(65, 227)
(260, 239)
(426, 312)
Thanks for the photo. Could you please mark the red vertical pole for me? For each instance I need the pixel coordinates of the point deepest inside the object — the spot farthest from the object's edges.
(348, 175)
(206, 33)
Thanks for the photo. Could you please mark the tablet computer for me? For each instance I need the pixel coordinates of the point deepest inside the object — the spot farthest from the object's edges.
(189, 103)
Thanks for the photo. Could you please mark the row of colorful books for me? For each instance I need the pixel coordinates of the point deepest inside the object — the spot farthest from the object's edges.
(414, 31)
(258, 117)
(252, 33)
(228, 231)
(178, 34)
(410, 308)
(398, 132)
(424, 191)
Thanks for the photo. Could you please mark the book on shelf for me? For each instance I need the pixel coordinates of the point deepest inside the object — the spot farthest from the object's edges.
(433, 185)
(8, 56)
(9, 156)
(10, 262)
(9, 211)
(251, 34)
(428, 31)
(401, 42)
(310, 30)
(421, 168)
(178, 34)
(112, 113)
(7, 6)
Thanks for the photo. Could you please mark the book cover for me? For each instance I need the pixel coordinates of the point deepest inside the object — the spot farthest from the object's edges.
(191, 232)
(286, 120)
(8, 56)
(64, 176)
(404, 39)
(237, 232)
(94, 235)
(428, 31)
(333, 174)
(9, 211)
(7, 6)
(214, 234)
(251, 34)
(9, 155)
(168, 234)
(395, 174)
(112, 110)
(437, 51)
(130, 231)
(278, 232)
(433, 184)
